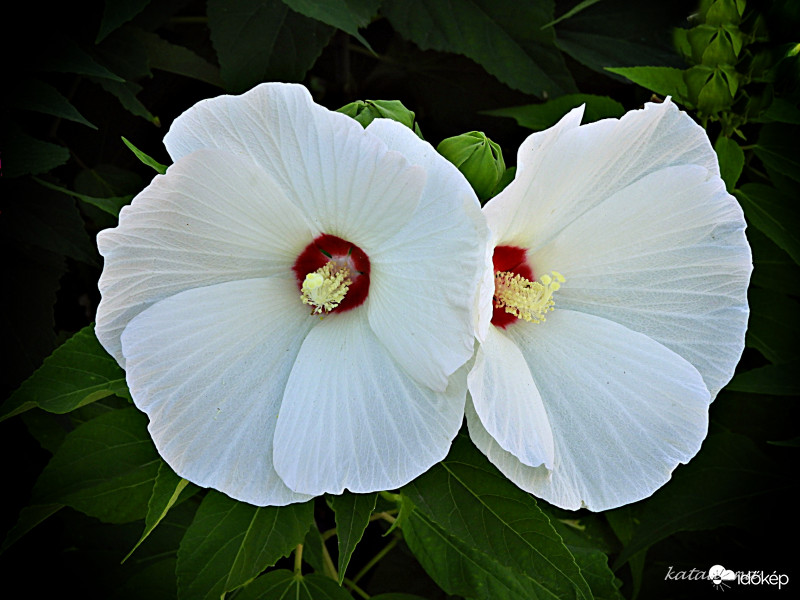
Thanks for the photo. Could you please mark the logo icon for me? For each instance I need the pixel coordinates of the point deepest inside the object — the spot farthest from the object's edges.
(719, 575)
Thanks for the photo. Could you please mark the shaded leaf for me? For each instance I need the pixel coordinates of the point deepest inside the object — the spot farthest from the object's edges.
(110, 205)
(126, 92)
(166, 490)
(79, 372)
(547, 114)
(117, 13)
(263, 41)
(347, 15)
(773, 268)
(156, 581)
(147, 160)
(503, 36)
(777, 148)
(475, 515)
(105, 468)
(778, 380)
(774, 326)
(731, 473)
(70, 58)
(731, 161)
(29, 517)
(283, 584)
(312, 549)
(229, 543)
(42, 97)
(26, 155)
(352, 517)
(775, 213)
(170, 57)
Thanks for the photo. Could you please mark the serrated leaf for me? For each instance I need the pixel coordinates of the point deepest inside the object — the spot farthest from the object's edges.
(352, 517)
(116, 13)
(731, 161)
(172, 58)
(70, 58)
(487, 516)
(42, 97)
(777, 148)
(774, 325)
(666, 81)
(503, 36)
(147, 160)
(27, 155)
(263, 41)
(166, 490)
(547, 114)
(126, 92)
(775, 213)
(777, 380)
(110, 205)
(229, 543)
(29, 517)
(611, 34)
(79, 372)
(283, 585)
(105, 468)
(347, 15)
(718, 487)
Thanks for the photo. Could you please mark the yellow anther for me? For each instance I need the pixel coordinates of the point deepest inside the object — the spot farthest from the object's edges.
(325, 288)
(529, 300)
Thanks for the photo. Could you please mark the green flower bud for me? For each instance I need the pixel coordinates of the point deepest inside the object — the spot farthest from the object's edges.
(478, 158)
(366, 111)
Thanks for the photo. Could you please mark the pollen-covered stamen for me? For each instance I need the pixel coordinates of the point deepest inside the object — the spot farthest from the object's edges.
(525, 299)
(325, 288)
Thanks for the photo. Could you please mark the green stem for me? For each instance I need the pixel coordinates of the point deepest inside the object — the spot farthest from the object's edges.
(354, 588)
(375, 559)
(327, 563)
(396, 498)
(298, 560)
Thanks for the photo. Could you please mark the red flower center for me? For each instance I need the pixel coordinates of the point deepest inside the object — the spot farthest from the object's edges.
(329, 248)
(509, 259)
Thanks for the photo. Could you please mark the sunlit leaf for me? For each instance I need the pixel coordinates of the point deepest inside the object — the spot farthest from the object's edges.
(547, 114)
(352, 517)
(731, 161)
(263, 41)
(285, 585)
(495, 540)
(503, 36)
(229, 543)
(79, 372)
(147, 160)
(105, 468)
(665, 81)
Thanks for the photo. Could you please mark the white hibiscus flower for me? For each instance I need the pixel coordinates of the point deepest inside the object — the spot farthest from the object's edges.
(619, 308)
(274, 209)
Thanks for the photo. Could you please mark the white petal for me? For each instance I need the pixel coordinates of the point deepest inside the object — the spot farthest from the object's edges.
(351, 417)
(567, 170)
(624, 410)
(209, 367)
(424, 284)
(667, 257)
(344, 179)
(212, 218)
(508, 403)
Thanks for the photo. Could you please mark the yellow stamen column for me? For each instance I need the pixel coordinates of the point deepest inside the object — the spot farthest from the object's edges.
(325, 288)
(528, 300)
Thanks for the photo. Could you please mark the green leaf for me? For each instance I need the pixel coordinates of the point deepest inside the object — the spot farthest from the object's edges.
(263, 41)
(397, 596)
(79, 372)
(774, 326)
(773, 268)
(347, 15)
(572, 12)
(229, 543)
(284, 585)
(156, 581)
(611, 34)
(29, 517)
(26, 155)
(718, 487)
(352, 517)
(547, 114)
(477, 517)
(666, 81)
(777, 380)
(70, 58)
(110, 205)
(783, 111)
(172, 58)
(126, 92)
(731, 161)
(116, 13)
(105, 468)
(624, 521)
(504, 36)
(312, 549)
(42, 97)
(775, 213)
(777, 148)
(166, 490)
(147, 160)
